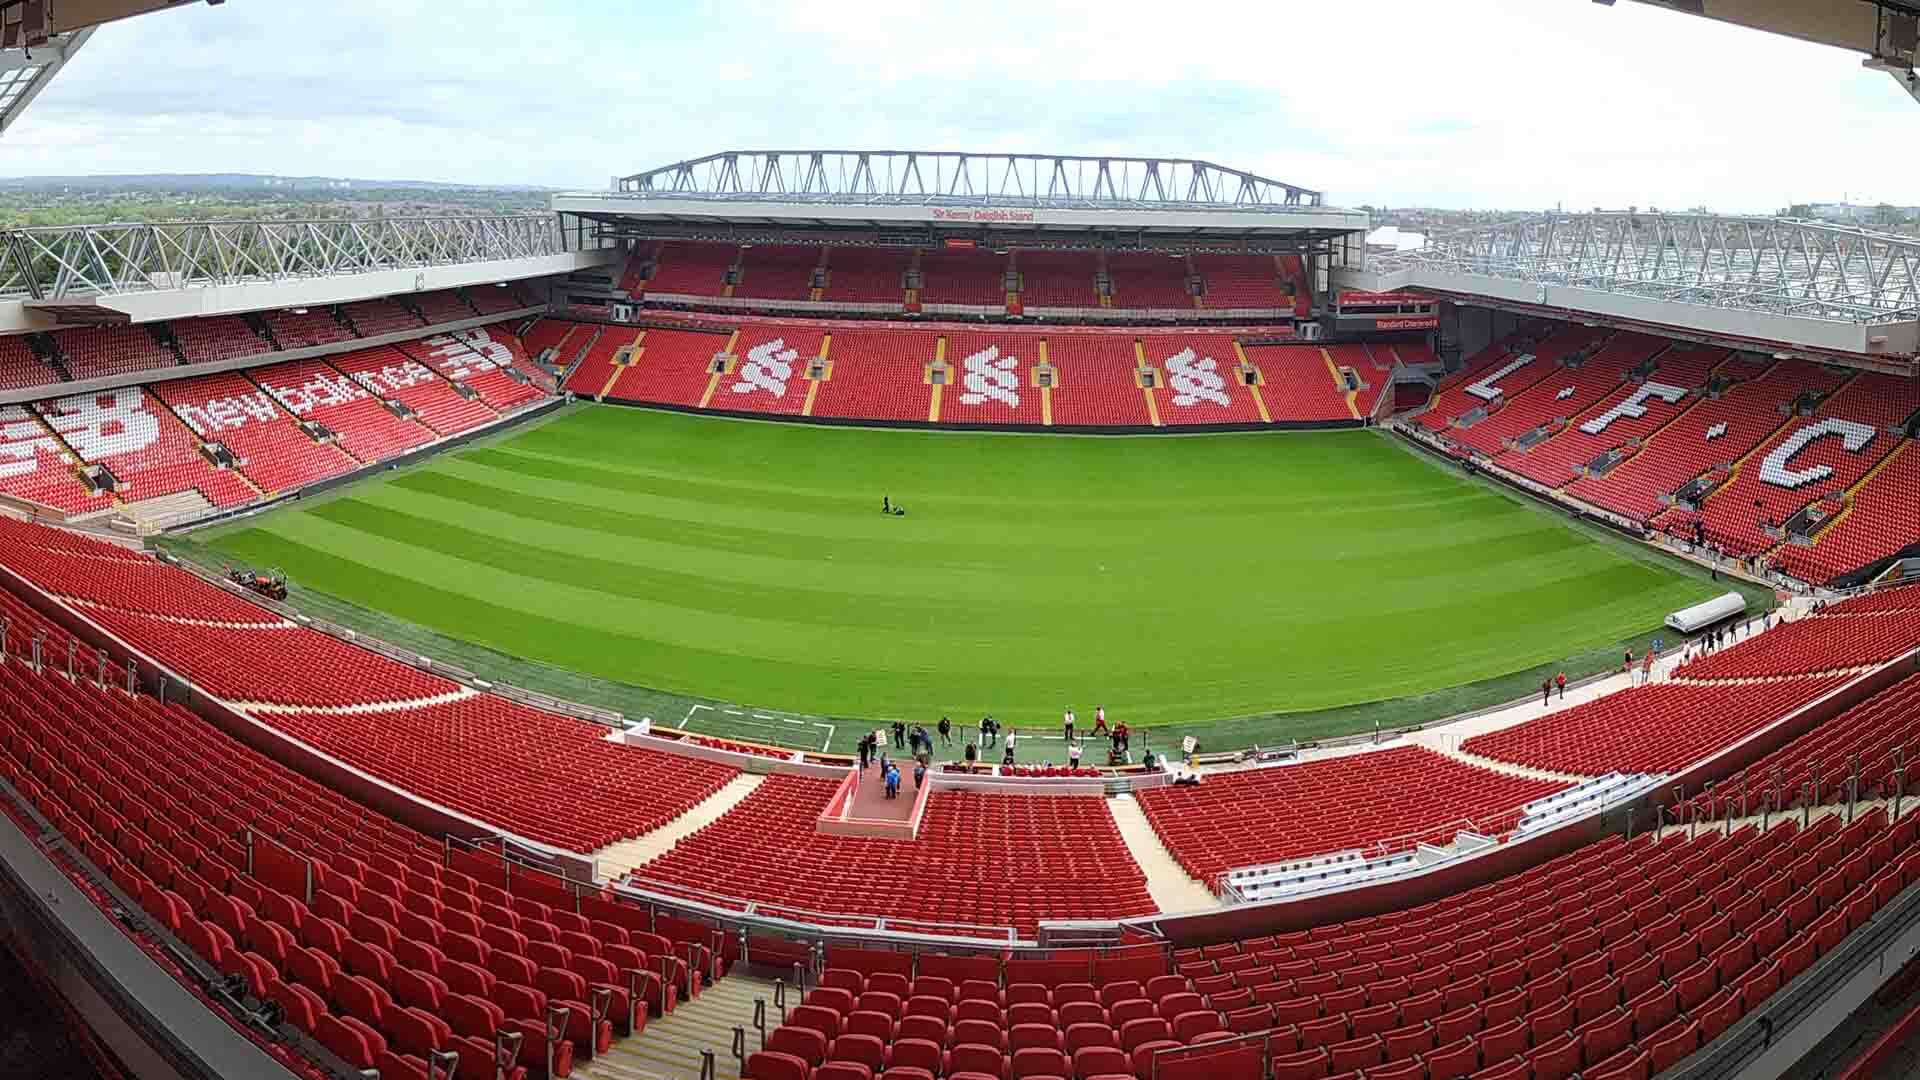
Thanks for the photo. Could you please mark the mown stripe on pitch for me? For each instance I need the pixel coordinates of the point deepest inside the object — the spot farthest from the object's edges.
(904, 610)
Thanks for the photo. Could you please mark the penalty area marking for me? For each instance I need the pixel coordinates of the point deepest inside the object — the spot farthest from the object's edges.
(725, 717)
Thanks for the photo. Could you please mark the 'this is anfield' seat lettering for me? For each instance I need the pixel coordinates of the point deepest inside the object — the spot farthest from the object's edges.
(469, 353)
(1853, 437)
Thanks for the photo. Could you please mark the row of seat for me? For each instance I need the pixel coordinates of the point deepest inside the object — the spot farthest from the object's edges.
(1650, 729)
(543, 776)
(1822, 642)
(150, 439)
(1877, 737)
(980, 859)
(882, 374)
(403, 951)
(968, 279)
(90, 352)
(1284, 812)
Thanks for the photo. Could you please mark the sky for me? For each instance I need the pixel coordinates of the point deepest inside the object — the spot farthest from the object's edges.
(1489, 104)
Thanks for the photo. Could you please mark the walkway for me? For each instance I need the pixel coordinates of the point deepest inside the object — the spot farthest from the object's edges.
(1171, 887)
(670, 1047)
(618, 859)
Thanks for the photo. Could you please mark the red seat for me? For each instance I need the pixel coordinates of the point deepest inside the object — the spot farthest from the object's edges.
(1040, 1061)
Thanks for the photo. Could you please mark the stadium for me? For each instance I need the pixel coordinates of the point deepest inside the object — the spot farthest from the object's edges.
(904, 615)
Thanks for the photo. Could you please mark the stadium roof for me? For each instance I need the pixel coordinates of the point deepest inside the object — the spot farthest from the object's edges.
(958, 190)
(38, 38)
(140, 271)
(1887, 31)
(1797, 283)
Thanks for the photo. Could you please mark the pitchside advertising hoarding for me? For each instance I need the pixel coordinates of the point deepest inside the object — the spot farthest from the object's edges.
(1360, 324)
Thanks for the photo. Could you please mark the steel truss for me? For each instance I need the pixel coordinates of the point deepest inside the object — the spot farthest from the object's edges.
(26, 72)
(80, 260)
(962, 179)
(1780, 266)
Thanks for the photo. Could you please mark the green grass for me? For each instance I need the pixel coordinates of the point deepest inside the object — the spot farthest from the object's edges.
(1306, 582)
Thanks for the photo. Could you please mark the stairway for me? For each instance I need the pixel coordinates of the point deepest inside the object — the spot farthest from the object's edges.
(617, 860)
(1171, 887)
(670, 1047)
(164, 510)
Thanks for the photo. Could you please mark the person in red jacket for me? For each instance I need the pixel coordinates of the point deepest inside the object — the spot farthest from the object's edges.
(1560, 681)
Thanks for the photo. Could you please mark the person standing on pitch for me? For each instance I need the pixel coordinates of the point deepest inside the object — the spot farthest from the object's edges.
(1066, 724)
(899, 735)
(946, 732)
(1099, 720)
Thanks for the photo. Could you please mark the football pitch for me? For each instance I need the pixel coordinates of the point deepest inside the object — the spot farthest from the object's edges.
(1172, 580)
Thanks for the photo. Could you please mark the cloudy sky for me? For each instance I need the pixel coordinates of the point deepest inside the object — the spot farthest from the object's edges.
(1508, 104)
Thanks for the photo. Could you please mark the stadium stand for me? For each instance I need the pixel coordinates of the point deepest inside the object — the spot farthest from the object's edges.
(993, 380)
(596, 369)
(375, 317)
(1559, 395)
(483, 358)
(1877, 522)
(879, 375)
(150, 453)
(981, 859)
(443, 306)
(302, 329)
(35, 465)
(1618, 959)
(867, 276)
(561, 335)
(771, 376)
(21, 367)
(1717, 432)
(1610, 423)
(1241, 281)
(218, 337)
(777, 271)
(1286, 812)
(1455, 396)
(972, 279)
(1834, 639)
(1880, 734)
(692, 269)
(1056, 279)
(1807, 459)
(386, 372)
(1202, 383)
(1298, 381)
(494, 299)
(394, 955)
(92, 352)
(314, 390)
(1096, 385)
(1143, 280)
(1651, 729)
(546, 777)
(272, 449)
(633, 278)
(673, 367)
